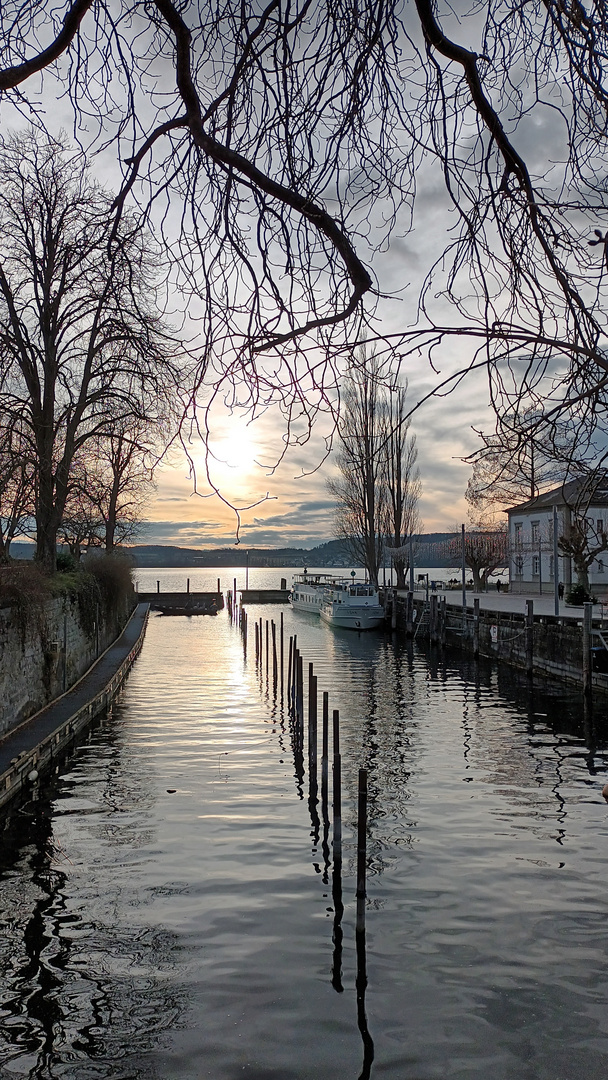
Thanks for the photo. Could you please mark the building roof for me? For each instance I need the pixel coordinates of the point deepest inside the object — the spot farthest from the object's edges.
(584, 491)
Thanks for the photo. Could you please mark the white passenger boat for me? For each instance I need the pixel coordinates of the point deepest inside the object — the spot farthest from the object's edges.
(352, 605)
(307, 591)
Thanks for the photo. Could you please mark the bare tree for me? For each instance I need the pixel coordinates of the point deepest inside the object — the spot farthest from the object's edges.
(401, 479)
(81, 344)
(359, 490)
(378, 489)
(17, 482)
(584, 536)
(485, 552)
(123, 482)
(271, 115)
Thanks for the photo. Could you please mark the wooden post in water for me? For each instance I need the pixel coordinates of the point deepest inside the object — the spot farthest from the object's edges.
(325, 750)
(300, 698)
(275, 670)
(158, 586)
(394, 611)
(337, 788)
(442, 620)
(361, 849)
(281, 653)
(187, 585)
(433, 619)
(476, 627)
(312, 731)
(219, 585)
(529, 637)
(587, 636)
(257, 644)
(409, 617)
(267, 648)
(289, 664)
(234, 603)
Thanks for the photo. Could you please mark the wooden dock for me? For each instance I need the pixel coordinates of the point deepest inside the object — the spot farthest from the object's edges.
(264, 596)
(183, 603)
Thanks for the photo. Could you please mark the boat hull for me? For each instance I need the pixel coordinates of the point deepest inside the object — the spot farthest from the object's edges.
(352, 618)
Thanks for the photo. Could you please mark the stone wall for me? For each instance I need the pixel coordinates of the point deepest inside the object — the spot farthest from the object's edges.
(44, 655)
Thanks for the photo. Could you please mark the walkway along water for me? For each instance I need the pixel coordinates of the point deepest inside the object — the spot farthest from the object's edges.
(30, 748)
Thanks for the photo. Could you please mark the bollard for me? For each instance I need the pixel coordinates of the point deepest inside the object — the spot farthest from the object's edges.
(158, 586)
(442, 620)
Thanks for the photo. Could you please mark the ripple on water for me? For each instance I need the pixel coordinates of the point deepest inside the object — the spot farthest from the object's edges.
(171, 908)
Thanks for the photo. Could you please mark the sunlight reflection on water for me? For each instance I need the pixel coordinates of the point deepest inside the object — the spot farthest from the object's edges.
(169, 912)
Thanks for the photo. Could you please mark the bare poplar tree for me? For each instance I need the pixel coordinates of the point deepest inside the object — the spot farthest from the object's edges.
(401, 480)
(359, 490)
(378, 489)
(81, 342)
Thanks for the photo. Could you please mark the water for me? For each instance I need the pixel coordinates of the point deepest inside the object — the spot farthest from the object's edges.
(169, 911)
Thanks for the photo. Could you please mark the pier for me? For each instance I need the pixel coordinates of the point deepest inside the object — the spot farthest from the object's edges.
(30, 748)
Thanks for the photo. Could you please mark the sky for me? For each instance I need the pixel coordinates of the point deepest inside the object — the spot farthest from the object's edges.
(290, 505)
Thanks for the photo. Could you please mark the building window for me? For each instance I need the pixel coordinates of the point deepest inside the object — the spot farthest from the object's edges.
(551, 566)
(600, 566)
(535, 532)
(519, 566)
(600, 525)
(535, 565)
(518, 534)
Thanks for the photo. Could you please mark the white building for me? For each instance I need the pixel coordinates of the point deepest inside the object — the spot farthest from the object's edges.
(531, 551)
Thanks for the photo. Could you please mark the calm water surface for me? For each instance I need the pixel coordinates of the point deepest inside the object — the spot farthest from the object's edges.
(170, 907)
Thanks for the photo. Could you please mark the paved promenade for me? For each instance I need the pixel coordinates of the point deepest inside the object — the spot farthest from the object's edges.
(501, 601)
(39, 727)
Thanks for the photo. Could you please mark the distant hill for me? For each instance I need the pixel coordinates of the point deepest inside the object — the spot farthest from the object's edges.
(330, 553)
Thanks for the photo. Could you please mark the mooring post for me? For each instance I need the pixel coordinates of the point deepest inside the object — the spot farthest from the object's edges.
(289, 659)
(275, 671)
(312, 730)
(257, 644)
(476, 627)
(158, 586)
(267, 647)
(219, 586)
(587, 635)
(409, 620)
(442, 620)
(325, 749)
(433, 618)
(337, 788)
(300, 709)
(361, 849)
(187, 585)
(394, 611)
(281, 653)
(529, 637)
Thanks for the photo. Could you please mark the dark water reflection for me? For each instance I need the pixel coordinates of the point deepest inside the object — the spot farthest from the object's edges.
(171, 906)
